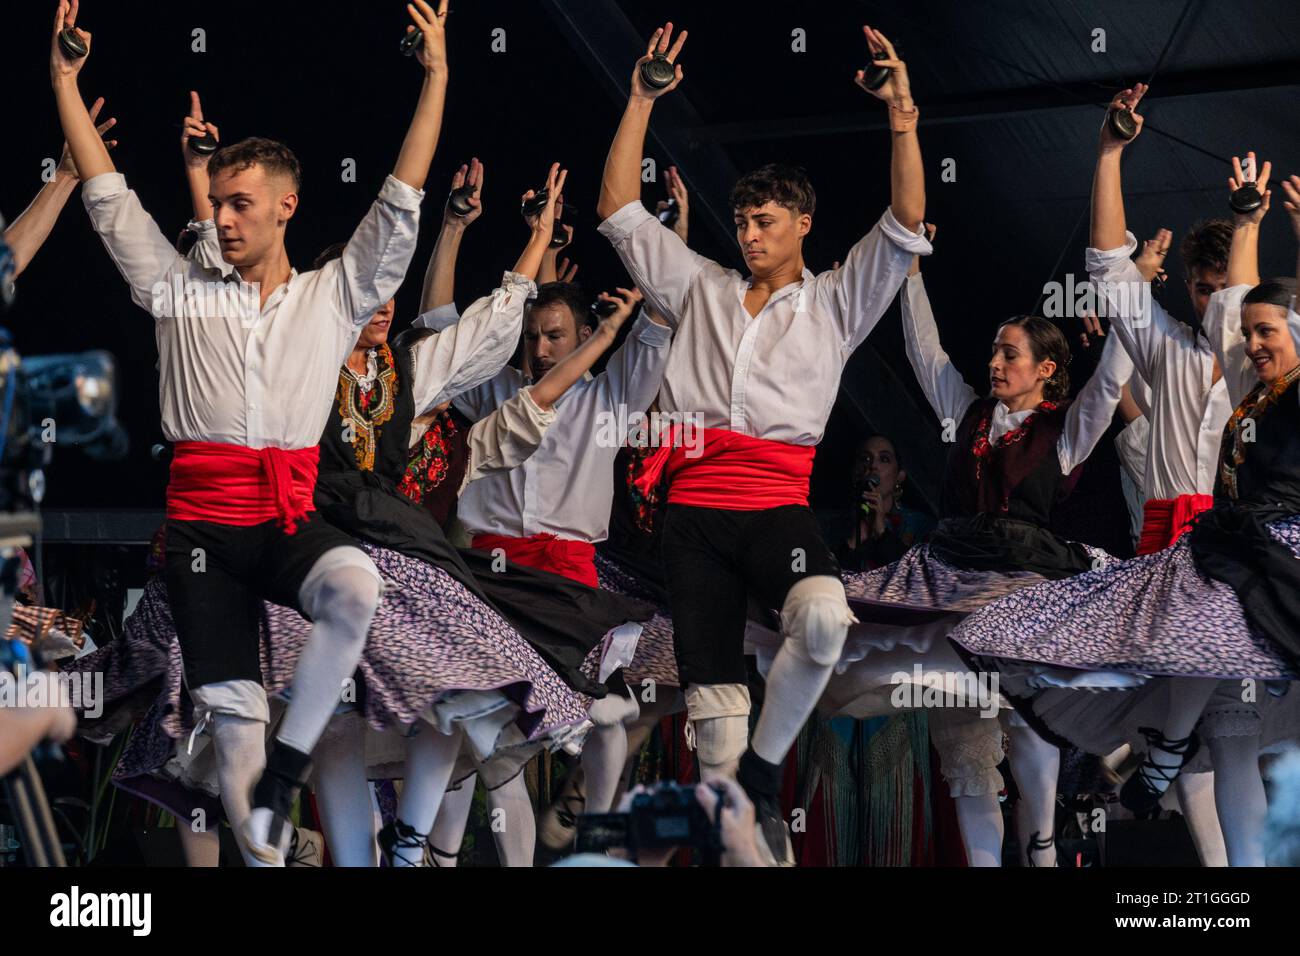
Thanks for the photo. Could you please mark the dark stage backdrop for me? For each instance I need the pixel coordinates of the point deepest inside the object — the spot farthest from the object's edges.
(1010, 96)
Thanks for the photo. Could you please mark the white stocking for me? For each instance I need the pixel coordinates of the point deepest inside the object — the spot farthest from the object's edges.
(240, 749)
(980, 820)
(347, 814)
(1240, 797)
(1035, 764)
(453, 817)
(604, 753)
(430, 760)
(516, 834)
(1196, 800)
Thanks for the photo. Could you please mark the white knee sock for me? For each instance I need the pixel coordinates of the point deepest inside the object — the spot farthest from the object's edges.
(1240, 797)
(604, 753)
(513, 822)
(344, 793)
(815, 619)
(341, 603)
(719, 745)
(793, 687)
(453, 817)
(1035, 764)
(1196, 800)
(980, 821)
(240, 748)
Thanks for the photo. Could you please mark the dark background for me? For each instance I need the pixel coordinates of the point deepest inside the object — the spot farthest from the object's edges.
(1009, 90)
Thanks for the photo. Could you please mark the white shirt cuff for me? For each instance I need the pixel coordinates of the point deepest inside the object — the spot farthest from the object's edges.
(104, 186)
(1098, 260)
(399, 194)
(621, 224)
(651, 333)
(895, 232)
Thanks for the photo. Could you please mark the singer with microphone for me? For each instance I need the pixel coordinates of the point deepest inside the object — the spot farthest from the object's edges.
(882, 529)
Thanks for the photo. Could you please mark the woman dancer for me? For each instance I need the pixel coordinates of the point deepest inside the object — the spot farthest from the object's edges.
(1215, 612)
(1016, 455)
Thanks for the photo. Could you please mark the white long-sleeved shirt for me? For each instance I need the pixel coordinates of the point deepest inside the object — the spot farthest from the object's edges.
(774, 375)
(262, 375)
(1086, 420)
(1188, 409)
(566, 488)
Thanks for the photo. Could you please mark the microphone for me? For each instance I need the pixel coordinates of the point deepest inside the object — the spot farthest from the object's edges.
(871, 484)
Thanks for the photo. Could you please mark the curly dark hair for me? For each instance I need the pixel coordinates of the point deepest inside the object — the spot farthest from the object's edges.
(784, 185)
(1046, 341)
(272, 156)
(1206, 244)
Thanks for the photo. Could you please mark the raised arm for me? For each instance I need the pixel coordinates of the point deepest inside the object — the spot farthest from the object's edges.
(906, 175)
(1108, 225)
(422, 136)
(196, 164)
(577, 363)
(1291, 189)
(1222, 320)
(1093, 409)
(944, 388)
(88, 151)
(621, 183)
(440, 276)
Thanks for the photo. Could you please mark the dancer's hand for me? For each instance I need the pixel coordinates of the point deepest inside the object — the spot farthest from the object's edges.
(432, 53)
(567, 271)
(1126, 99)
(1150, 261)
(544, 221)
(471, 175)
(61, 65)
(66, 166)
(659, 44)
(677, 191)
(628, 300)
(1291, 188)
(897, 90)
(1238, 179)
(1091, 326)
(193, 127)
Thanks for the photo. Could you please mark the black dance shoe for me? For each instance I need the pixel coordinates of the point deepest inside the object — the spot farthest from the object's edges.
(398, 840)
(1037, 845)
(762, 784)
(1140, 793)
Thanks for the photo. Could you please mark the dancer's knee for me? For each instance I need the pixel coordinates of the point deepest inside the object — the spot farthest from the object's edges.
(343, 587)
(717, 726)
(234, 698)
(815, 619)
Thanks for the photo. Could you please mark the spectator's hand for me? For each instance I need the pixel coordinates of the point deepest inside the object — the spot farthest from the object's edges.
(566, 271)
(739, 829)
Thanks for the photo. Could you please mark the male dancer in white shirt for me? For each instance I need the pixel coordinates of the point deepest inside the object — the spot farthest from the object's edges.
(1187, 405)
(245, 393)
(760, 360)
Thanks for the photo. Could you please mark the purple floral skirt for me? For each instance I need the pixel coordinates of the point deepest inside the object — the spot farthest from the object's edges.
(654, 659)
(1118, 627)
(430, 642)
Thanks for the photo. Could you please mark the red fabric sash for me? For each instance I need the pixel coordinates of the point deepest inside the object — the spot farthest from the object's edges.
(235, 485)
(574, 560)
(729, 470)
(1165, 519)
